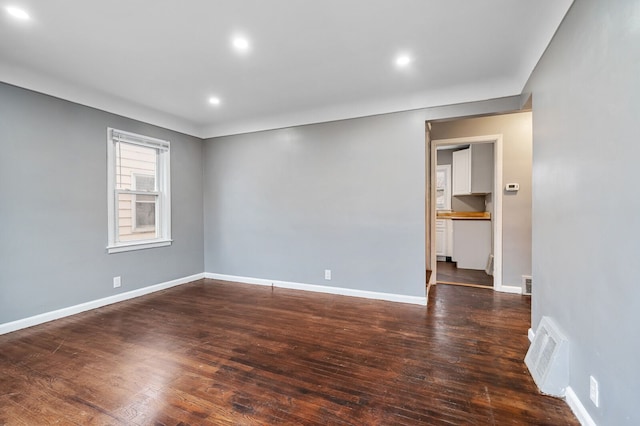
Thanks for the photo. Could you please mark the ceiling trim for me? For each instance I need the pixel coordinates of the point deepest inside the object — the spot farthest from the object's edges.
(478, 91)
(36, 82)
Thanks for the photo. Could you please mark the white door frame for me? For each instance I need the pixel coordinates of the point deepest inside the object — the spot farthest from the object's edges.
(497, 203)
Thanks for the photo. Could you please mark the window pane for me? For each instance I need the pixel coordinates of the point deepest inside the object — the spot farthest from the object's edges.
(136, 217)
(145, 215)
(135, 162)
(144, 183)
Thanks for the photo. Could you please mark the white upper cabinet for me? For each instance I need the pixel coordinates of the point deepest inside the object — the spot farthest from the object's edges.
(473, 170)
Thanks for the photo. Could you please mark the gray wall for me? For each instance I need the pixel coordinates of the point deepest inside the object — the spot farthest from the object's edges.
(444, 157)
(53, 217)
(516, 207)
(468, 203)
(586, 235)
(53, 208)
(347, 196)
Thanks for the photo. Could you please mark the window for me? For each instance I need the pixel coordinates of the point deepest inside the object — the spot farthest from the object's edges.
(443, 187)
(139, 198)
(144, 214)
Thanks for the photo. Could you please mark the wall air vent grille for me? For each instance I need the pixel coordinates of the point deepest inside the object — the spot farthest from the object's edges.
(527, 281)
(549, 348)
(548, 359)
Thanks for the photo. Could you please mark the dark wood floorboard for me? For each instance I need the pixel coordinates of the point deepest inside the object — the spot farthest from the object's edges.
(448, 272)
(220, 353)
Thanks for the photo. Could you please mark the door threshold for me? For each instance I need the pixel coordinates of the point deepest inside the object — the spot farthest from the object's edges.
(465, 284)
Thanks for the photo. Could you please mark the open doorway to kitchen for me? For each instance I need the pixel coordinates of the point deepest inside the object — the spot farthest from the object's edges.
(479, 226)
(467, 210)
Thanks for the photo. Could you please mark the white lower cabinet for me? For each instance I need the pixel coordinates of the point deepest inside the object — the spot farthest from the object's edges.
(444, 244)
(440, 238)
(471, 243)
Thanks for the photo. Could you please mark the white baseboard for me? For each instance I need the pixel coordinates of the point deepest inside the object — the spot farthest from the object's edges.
(531, 334)
(578, 409)
(76, 309)
(510, 289)
(414, 300)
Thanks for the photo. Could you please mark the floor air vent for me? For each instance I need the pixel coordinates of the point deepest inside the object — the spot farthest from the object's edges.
(548, 359)
(526, 284)
(489, 268)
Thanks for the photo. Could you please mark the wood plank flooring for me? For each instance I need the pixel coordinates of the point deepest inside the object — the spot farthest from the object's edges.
(449, 273)
(220, 353)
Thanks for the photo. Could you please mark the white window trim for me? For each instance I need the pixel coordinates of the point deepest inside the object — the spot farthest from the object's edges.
(163, 184)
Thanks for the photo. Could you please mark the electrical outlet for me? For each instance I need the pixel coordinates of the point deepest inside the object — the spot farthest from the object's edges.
(116, 282)
(594, 391)
(327, 274)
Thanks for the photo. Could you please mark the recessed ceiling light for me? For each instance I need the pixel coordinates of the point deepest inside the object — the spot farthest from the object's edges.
(241, 44)
(403, 60)
(18, 13)
(214, 100)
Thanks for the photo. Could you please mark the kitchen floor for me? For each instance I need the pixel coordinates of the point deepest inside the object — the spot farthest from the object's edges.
(449, 273)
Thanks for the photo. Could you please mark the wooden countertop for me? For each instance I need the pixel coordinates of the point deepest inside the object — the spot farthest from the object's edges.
(464, 215)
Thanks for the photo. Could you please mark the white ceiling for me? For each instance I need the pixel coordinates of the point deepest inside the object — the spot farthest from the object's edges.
(310, 61)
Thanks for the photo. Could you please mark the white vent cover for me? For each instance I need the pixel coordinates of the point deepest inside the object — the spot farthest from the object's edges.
(548, 358)
(489, 267)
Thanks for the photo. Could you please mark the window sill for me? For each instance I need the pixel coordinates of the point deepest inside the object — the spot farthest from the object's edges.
(119, 248)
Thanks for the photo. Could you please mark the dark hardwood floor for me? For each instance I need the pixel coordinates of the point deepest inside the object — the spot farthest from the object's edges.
(449, 273)
(219, 353)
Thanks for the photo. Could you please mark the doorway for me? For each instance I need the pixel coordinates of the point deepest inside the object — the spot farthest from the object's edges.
(466, 248)
(510, 202)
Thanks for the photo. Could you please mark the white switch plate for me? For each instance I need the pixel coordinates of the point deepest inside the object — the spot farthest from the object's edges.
(327, 274)
(116, 282)
(594, 392)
